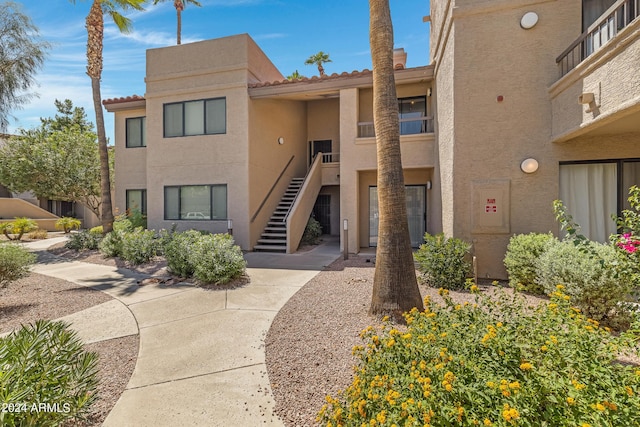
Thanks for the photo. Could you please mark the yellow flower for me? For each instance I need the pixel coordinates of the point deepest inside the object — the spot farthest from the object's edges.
(510, 414)
(474, 289)
(385, 319)
(629, 390)
(544, 348)
(599, 406)
(448, 387)
(571, 400)
(487, 422)
(526, 366)
(381, 417)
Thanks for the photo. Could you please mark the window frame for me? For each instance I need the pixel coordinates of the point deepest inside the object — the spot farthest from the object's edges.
(143, 133)
(143, 197)
(211, 202)
(425, 113)
(183, 117)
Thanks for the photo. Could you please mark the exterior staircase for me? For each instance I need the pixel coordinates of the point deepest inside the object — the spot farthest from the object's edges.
(274, 237)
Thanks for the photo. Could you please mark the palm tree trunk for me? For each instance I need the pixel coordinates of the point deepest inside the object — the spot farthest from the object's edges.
(95, 37)
(179, 5)
(395, 288)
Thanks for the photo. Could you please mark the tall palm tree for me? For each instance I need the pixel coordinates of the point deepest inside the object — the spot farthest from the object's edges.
(395, 288)
(179, 5)
(95, 41)
(318, 59)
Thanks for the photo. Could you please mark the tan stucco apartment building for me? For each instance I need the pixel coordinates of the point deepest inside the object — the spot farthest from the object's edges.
(524, 102)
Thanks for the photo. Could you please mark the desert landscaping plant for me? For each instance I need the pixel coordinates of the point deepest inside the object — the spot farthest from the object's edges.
(15, 229)
(443, 261)
(138, 246)
(14, 263)
(217, 259)
(493, 363)
(67, 223)
(84, 239)
(38, 233)
(44, 364)
(521, 260)
(312, 232)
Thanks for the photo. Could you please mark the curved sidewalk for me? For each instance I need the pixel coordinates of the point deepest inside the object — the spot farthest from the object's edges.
(201, 359)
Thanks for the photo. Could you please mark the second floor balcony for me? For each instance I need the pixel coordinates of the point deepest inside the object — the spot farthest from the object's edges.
(598, 34)
(408, 126)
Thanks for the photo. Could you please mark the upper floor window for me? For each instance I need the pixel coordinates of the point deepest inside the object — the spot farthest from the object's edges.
(136, 132)
(592, 10)
(412, 115)
(202, 117)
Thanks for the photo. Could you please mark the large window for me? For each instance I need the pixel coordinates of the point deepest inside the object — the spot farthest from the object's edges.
(136, 132)
(593, 191)
(202, 117)
(137, 201)
(195, 202)
(592, 10)
(412, 113)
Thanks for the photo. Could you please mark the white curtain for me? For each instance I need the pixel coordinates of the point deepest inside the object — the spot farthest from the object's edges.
(589, 191)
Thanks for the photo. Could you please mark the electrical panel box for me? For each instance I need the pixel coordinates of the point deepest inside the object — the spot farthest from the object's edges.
(491, 206)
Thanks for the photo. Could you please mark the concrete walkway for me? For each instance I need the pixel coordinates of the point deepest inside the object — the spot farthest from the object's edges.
(201, 360)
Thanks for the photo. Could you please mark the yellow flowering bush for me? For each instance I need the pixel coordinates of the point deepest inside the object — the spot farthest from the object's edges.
(497, 362)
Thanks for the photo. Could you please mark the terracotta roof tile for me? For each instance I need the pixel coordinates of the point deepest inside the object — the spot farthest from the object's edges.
(313, 79)
(123, 99)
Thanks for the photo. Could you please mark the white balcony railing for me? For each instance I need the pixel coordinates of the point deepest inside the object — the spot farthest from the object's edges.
(617, 17)
(408, 126)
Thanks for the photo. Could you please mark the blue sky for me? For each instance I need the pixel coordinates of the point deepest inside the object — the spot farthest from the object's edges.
(288, 31)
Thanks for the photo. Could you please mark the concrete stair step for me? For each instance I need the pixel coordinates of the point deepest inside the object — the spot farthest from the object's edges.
(270, 248)
(273, 235)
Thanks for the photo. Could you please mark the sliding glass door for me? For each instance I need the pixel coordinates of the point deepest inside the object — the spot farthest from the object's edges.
(416, 214)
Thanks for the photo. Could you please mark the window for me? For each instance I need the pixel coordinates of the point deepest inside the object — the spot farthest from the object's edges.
(593, 191)
(412, 113)
(195, 202)
(202, 117)
(137, 201)
(136, 132)
(592, 10)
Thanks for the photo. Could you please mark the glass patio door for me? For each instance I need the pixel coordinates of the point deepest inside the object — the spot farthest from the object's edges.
(416, 214)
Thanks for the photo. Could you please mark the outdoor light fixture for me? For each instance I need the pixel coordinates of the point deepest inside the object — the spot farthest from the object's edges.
(529, 20)
(529, 165)
(280, 140)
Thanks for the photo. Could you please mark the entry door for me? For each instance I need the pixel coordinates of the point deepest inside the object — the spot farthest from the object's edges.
(416, 214)
(315, 147)
(322, 212)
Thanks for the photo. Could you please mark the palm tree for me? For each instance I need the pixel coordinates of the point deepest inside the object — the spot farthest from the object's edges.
(179, 5)
(95, 40)
(318, 59)
(295, 76)
(395, 288)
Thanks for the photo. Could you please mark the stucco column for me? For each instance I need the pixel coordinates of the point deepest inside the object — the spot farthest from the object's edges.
(348, 175)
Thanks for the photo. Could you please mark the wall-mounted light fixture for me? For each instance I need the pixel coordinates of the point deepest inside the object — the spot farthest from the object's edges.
(280, 140)
(529, 20)
(529, 165)
(428, 185)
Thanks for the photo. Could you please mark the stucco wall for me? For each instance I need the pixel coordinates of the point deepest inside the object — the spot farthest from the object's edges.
(483, 137)
(130, 163)
(269, 120)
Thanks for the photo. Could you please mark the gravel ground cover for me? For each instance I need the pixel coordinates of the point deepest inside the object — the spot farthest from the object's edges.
(41, 297)
(308, 347)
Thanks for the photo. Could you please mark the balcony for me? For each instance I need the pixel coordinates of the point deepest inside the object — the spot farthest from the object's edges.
(408, 126)
(617, 17)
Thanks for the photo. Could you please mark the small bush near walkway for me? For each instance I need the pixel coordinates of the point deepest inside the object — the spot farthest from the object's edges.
(521, 261)
(14, 263)
(443, 261)
(45, 376)
(492, 363)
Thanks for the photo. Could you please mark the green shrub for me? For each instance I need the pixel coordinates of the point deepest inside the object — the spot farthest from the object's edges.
(497, 363)
(443, 261)
(585, 271)
(139, 246)
(178, 250)
(14, 263)
(18, 227)
(521, 260)
(45, 364)
(217, 260)
(67, 224)
(97, 230)
(83, 240)
(136, 218)
(627, 243)
(312, 232)
(111, 244)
